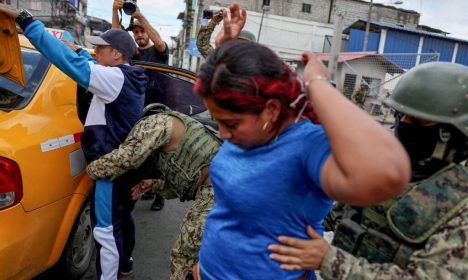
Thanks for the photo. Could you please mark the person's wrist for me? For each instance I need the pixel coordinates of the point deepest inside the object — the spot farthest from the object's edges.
(24, 18)
(313, 79)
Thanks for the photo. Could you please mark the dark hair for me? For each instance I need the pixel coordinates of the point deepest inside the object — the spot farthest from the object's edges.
(242, 76)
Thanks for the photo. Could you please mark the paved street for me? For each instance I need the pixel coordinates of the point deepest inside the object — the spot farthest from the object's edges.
(156, 234)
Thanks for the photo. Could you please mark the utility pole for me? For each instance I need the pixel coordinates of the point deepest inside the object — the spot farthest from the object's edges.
(369, 17)
(265, 8)
(335, 47)
(366, 34)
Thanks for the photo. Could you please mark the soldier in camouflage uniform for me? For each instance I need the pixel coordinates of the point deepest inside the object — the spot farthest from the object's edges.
(204, 34)
(422, 234)
(359, 96)
(176, 151)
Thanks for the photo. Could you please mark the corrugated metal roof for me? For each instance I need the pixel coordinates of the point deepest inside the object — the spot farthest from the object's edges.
(345, 56)
(412, 30)
(348, 56)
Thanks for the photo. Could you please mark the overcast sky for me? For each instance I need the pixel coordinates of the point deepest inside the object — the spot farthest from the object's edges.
(449, 15)
(162, 14)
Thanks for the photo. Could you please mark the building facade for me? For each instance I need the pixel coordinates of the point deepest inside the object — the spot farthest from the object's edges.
(290, 27)
(387, 38)
(325, 11)
(69, 15)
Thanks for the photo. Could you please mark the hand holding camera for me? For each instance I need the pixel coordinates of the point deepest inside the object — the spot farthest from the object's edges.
(216, 16)
(129, 6)
(118, 4)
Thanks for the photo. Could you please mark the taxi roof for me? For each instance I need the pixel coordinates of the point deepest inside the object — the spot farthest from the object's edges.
(24, 42)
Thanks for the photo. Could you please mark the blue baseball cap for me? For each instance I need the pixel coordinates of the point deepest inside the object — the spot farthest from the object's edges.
(116, 38)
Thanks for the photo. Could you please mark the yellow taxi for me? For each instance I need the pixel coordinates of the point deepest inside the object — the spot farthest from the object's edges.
(44, 189)
(44, 211)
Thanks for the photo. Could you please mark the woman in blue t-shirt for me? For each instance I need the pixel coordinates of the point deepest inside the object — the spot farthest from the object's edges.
(277, 171)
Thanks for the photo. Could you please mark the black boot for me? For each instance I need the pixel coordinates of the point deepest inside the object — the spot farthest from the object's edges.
(148, 195)
(158, 203)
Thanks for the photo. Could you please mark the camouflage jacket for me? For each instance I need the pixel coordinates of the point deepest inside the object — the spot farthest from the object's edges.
(204, 35)
(359, 97)
(180, 169)
(443, 252)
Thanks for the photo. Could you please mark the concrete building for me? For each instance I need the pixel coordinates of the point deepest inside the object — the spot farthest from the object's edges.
(324, 11)
(369, 68)
(289, 27)
(387, 38)
(69, 15)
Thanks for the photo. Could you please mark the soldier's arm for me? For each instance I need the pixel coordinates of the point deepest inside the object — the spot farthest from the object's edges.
(204, 35)
(444, 257)
(158, 185)
(148, 135)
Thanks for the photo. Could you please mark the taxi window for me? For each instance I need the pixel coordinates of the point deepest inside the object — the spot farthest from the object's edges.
(12, 95)
(174, 91)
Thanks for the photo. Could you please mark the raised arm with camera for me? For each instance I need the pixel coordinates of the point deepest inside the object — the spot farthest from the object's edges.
(205, 31)
(143, 32)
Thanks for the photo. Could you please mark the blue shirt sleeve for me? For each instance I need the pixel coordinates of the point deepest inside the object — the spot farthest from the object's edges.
(85, 53)
(72, 64)
(317, 151)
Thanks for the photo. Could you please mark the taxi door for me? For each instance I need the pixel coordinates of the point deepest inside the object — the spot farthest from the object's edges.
(11, 64)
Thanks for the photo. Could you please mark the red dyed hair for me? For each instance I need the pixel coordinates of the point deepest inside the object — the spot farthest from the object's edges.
(244, 78)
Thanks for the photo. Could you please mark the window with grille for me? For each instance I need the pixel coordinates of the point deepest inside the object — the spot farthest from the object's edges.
(374, 85)
(306, 8)
(349, 84)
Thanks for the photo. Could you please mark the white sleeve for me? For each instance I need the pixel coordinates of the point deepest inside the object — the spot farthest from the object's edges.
(105, 82)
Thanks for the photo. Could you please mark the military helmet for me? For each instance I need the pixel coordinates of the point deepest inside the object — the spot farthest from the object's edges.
(155, 108)
(435, 91)
(247, 35)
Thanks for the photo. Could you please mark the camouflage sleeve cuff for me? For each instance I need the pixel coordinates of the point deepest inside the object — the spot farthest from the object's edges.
(336, 264)
(158, 185)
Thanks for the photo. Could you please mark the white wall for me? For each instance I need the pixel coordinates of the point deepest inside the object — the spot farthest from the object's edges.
(288, 37)
(360, 67)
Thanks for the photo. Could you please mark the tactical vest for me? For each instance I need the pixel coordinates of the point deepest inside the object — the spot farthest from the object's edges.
(391, 231)
(181, 169)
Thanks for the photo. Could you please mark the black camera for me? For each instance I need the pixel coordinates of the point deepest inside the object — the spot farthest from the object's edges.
(209, 14)
(129, 6)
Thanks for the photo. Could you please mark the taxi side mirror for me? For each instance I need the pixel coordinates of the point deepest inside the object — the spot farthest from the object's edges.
(11, 62)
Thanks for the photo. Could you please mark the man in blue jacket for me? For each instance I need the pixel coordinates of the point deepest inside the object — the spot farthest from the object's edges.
(117, 104)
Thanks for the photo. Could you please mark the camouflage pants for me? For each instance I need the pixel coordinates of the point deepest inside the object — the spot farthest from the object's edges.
(185, 252)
